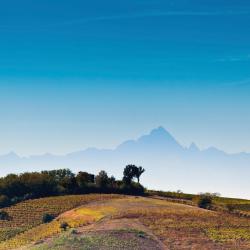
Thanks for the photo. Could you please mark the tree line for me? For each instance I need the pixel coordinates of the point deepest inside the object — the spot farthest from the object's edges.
(18, 187)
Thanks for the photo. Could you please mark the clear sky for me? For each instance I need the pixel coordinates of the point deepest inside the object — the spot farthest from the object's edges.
(80, 73)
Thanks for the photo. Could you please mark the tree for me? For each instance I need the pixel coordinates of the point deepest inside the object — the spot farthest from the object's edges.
(4, 201)
(102, 179)
(47, 218)
(11, 186)
(129, 173)
(139, 172)
(205, 201)
(84, 178)
(37, 184)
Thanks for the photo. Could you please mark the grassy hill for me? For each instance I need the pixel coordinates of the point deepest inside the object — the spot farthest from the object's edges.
(29, 214)
(237, 206)
(122, 222)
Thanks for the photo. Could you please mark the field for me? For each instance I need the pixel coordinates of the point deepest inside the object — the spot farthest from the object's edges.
(233, 205)
(124, 222)
(29, 214)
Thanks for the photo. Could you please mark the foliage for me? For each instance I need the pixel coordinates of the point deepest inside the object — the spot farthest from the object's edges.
(47, 218)
(169, 194)
(16, 188)
(4, 201)
(187, 227)
(4, 215)
(64, 225)
(130, 172)
(29, 214)
(177, 225)
(83, 180)
(132, 189)
(140, 170)
(71, 219)
(102, 179)
(205, 201)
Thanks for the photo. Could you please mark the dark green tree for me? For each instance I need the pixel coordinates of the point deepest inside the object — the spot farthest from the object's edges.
(102, 179)
(129, 173)
(83, 178)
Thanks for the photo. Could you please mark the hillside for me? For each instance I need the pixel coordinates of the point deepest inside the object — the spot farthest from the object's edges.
(120, 222)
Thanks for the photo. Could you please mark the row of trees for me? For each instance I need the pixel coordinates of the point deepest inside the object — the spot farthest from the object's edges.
(15, 188)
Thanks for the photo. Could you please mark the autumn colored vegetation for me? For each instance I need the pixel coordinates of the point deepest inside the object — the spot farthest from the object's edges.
(188, 227)
(178, 226)
(31, 213)
(36, 206)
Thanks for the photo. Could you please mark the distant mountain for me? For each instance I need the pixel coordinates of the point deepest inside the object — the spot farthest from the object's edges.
(158, 141)
(169, 165)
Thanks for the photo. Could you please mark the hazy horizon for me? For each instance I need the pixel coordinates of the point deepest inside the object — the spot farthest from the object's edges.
(193, 143)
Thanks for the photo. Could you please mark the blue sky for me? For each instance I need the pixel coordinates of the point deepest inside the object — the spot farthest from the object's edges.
(75, 73)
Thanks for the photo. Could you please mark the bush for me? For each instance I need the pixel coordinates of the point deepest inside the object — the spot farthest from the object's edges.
(4, 215)
(64, 226)
(205, 201)
(132, 189)
(48, 218)
(4, 201)
(230, 207)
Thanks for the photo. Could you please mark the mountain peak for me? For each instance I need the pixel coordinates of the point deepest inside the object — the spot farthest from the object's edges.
(161, 133)
(159, 130)
(160, 138)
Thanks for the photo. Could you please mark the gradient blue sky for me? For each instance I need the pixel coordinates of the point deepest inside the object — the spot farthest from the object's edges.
(80, 73)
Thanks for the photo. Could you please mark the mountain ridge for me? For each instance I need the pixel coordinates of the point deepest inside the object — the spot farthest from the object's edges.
(168, 164)
(157, 132)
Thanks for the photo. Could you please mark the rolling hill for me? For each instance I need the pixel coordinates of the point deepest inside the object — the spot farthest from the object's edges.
(106, 222)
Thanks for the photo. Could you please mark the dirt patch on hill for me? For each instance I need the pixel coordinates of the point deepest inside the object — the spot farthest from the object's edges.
(101, 240)
(125, 227)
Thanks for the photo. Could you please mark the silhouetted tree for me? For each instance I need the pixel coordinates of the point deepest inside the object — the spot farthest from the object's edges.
(129, 173)
(139, 172)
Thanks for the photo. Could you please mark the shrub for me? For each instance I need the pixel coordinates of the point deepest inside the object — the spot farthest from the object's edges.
(4, 201)
(48, 218)
(205, 201)
(4, 215)
(230, 207)
(64, 226)
(132, 189)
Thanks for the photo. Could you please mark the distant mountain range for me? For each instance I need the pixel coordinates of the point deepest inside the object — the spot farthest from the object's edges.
(169, 165)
